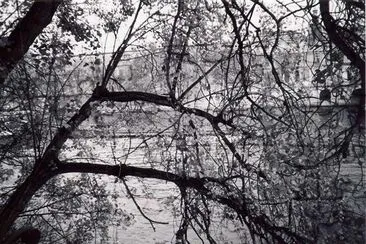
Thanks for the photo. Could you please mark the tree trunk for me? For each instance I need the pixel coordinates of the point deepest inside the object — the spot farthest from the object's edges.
(25, 32)
(21, 197)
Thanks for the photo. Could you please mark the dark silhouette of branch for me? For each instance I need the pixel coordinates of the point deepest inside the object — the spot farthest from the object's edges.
(151, 221)
(25, 32)
(26, 235)
(335, 35)
(261, 221)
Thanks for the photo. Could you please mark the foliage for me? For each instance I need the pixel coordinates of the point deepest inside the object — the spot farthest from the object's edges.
(221, 98)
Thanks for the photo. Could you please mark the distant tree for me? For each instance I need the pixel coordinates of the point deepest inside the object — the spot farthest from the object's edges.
(251, 115)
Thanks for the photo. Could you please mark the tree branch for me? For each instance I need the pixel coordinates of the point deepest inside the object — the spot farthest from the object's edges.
(140, 209)
(131, 96)
(199, 184)
(333, 30)
(25, 32)
(123, 170)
